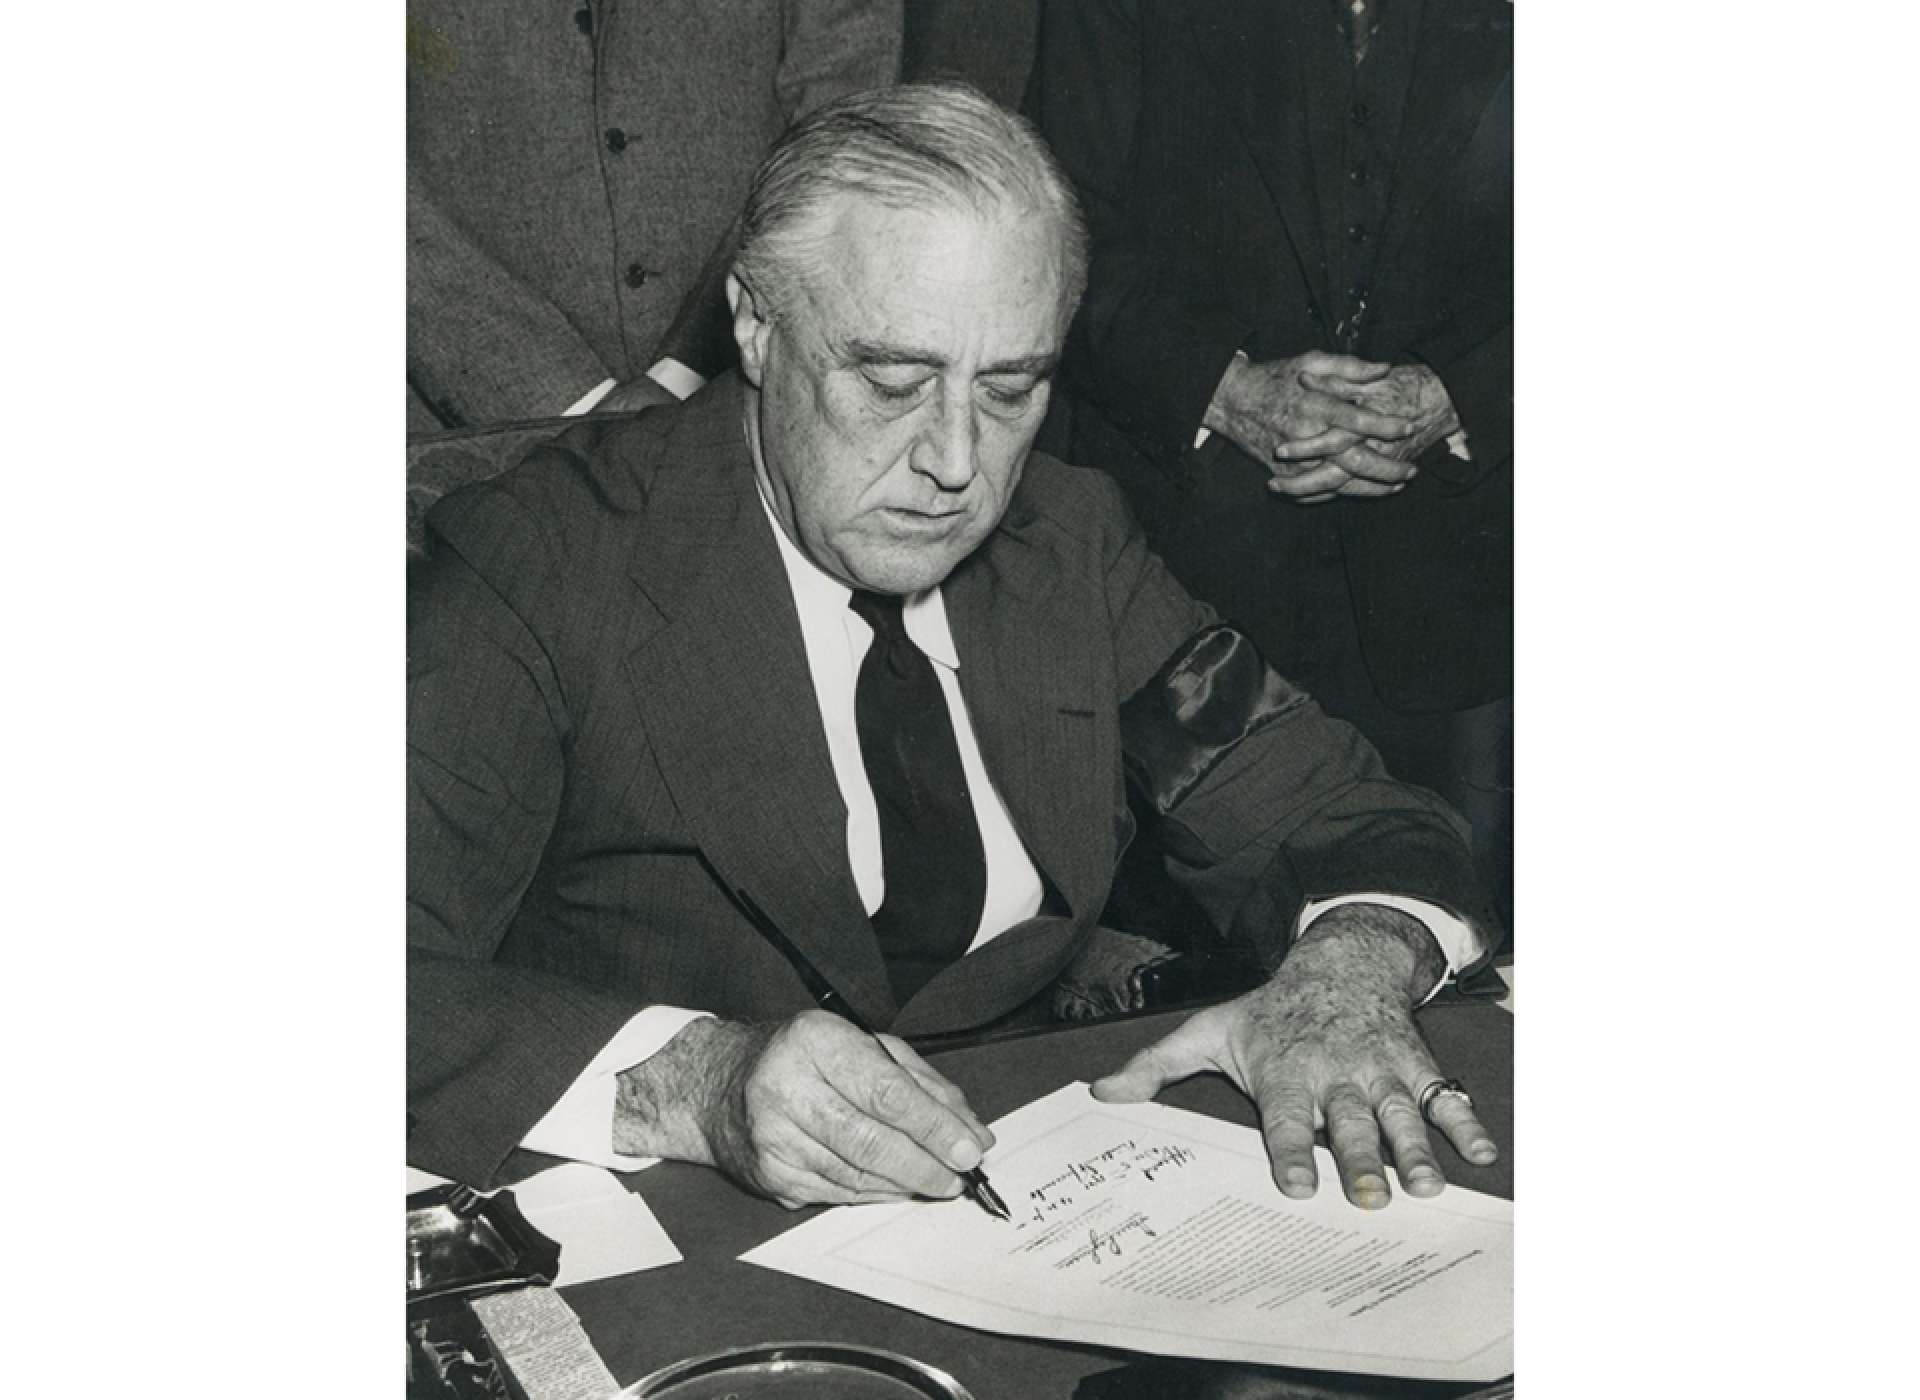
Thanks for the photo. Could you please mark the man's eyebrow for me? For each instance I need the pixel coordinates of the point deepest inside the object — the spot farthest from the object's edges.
(1041, 364)
(880, 352)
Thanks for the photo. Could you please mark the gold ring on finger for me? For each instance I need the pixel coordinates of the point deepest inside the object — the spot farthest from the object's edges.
(1434, 1090)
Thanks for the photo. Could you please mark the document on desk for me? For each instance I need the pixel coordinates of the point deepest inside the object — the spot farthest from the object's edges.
(1158, 1230)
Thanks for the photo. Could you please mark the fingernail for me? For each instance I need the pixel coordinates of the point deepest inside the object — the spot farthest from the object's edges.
(963, 1156)
(1421, 1174)
(1370, 1185)
(1484, 1148)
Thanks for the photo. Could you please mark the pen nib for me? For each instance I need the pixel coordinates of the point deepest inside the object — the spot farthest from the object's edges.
(990, 1200)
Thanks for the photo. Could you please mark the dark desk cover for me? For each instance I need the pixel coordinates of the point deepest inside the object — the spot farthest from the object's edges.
(641, 1322)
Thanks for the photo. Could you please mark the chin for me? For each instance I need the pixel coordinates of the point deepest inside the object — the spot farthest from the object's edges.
(905, 575)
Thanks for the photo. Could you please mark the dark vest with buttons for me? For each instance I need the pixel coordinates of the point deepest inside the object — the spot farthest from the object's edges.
(1370, 87)
(1371, 96)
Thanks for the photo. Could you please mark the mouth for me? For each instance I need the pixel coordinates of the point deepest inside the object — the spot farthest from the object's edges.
(922, 521)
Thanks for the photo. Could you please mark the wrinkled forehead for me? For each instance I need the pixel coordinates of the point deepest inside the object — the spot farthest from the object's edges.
(994, 280)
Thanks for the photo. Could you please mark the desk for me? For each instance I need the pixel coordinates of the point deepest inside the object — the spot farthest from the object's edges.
(711, 1301)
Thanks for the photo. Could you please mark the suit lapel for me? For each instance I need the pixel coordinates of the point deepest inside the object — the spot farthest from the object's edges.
(1459, 64)
(1028, 670)
(1254, 50)
(748, 768)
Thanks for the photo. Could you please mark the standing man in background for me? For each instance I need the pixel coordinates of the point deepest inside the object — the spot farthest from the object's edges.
(1296, 348)
(574, 168)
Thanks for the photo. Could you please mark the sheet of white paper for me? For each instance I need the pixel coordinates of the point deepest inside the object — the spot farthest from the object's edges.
(602, 1228)
(418, 1180)
(1158, 1230)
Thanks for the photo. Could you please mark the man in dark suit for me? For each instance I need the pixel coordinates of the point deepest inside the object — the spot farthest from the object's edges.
(1301, 219)
(642, 678)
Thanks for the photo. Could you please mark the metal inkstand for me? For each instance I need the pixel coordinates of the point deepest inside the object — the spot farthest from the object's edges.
(461, 1245)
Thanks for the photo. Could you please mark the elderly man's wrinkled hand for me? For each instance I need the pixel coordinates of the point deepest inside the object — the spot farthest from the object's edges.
(1290, 411)
(1413, 393)
(1328, 1042)
(807, 1111)
(1306, 420)
(1360, 470)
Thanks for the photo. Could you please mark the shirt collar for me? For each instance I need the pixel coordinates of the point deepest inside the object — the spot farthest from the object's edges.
(819, 594)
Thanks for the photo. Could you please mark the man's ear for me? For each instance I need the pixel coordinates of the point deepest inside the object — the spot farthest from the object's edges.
(751, 327)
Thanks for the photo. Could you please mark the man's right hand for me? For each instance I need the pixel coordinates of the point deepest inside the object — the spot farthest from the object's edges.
(806, 1111)
(1288, 415)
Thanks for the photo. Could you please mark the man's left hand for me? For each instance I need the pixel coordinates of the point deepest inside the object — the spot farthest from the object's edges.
(1329, 1042)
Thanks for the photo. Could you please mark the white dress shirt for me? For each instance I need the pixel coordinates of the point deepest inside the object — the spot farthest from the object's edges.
(580, 1125)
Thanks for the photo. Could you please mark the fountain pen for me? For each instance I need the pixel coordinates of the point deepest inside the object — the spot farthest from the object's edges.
(979, 1189)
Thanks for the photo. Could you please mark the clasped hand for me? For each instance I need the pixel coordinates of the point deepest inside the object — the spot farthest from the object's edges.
(1331, 425)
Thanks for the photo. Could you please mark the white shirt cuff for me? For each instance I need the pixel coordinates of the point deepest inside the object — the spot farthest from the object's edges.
(1457, 939)
(580, 1126)
(675, 377)
(590, 398)
(1200, 438)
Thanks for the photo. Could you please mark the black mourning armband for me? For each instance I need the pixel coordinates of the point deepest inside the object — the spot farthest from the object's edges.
(1211, 695)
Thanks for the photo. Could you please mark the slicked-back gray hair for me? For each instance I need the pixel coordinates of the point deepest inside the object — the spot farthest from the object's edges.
(914, 146)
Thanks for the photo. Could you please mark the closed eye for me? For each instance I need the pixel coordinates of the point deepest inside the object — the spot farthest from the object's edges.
(893, 391)
(1014, 397)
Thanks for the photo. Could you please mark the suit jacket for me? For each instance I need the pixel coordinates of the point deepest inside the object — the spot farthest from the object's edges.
(1205, 138)
(611, 729)
(573, 167)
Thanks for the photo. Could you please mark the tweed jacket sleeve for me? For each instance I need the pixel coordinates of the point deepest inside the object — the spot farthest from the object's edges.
(482, 347)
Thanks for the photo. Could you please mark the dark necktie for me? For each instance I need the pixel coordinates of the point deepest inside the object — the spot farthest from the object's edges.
(936, 868)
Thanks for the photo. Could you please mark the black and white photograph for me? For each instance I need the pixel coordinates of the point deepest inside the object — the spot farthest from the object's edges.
(960, 694)
(958, 658)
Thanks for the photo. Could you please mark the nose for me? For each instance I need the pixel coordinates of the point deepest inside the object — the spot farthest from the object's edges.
(947, 451)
